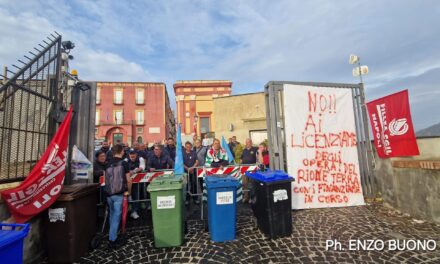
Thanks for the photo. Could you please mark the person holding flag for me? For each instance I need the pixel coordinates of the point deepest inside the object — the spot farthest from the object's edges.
(178, 164)
(217, 156)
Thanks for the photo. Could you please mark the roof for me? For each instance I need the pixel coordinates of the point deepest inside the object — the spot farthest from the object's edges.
(130, 83)
(203, 81)
(235, 95)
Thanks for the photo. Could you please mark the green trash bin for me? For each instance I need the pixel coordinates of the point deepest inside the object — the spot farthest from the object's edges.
(167, 202)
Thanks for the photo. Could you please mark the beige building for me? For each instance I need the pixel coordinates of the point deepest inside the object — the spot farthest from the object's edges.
(194, 100)
(242, 115)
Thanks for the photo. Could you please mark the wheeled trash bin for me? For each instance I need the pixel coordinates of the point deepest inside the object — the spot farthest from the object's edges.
(222, 206)
(271, 202)
(167, 202)
(71, 223)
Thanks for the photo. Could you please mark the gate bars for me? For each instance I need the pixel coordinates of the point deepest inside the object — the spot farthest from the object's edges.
(275, 128)
(26, 101)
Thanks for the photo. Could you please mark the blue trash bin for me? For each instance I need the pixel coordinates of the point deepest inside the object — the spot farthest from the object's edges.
(222, 206)
(11, 242)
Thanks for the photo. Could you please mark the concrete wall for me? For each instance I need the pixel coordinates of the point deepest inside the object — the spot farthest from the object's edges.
(412, 184)
(33, 248)
(245, 113)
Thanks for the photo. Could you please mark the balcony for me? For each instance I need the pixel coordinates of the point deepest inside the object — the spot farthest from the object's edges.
(140, 122)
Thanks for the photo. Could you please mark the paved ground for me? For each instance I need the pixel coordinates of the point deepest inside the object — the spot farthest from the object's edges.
(306, 245)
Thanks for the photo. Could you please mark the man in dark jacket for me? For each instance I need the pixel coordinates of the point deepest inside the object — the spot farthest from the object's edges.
(99, 165)
(136, 164)
(104, 147)
(200, 152)
(171, 148)
(190, 163)
(143, 151)
(114, 200)
(249, 156)
(159, 161)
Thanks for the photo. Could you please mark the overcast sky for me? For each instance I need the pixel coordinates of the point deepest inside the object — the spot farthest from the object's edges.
(247, 42)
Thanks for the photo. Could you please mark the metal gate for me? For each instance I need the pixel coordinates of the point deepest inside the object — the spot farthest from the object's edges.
(27, 100)
(276, 135)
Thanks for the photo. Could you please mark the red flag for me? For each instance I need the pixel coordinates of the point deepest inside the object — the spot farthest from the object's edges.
(44, 183)
(124, 213)
(393, 131)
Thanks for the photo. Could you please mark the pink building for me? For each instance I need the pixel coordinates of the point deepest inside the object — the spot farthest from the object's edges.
(133, 111)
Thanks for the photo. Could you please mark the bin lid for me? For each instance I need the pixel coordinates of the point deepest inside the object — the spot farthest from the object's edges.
(221, 180)
(76, 191)
(165, 183)
(9, 233)
(269, 176)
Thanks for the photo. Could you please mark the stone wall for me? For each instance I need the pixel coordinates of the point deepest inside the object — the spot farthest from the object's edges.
(412, 184)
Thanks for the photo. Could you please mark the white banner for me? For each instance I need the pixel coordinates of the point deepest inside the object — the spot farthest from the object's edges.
(321, 147)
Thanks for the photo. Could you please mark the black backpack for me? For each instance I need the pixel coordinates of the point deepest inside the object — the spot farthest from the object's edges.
(115, 182)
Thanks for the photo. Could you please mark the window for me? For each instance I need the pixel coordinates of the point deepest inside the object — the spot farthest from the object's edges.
(139, 130)
(97, 118)
(139, 117)
(204, 125)
(98, 96)
(140, 140)
(139, 96)
(118, 96)
(118, 117)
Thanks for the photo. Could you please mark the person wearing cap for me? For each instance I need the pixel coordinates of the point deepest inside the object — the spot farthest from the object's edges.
(136, 164)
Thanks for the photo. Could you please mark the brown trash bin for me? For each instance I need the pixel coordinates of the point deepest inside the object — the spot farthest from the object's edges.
(71, 223)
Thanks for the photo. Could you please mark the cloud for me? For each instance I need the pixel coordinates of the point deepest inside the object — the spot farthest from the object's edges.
(24, 30)
(424, 94)
(248, 42)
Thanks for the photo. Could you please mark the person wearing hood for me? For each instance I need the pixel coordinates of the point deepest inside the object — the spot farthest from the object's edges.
(99, 165)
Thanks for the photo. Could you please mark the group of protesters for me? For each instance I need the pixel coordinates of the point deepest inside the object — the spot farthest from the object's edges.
(128, 161)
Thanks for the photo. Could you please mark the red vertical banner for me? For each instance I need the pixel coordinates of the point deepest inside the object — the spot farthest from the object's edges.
(393, 130)
(44, 183)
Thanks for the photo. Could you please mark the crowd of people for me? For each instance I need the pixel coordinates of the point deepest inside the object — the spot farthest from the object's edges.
(118, 163)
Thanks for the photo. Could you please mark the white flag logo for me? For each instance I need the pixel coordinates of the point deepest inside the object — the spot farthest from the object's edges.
(398, 127)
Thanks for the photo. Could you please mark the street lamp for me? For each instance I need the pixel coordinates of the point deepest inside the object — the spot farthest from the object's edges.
(359, 70)
(196, 119)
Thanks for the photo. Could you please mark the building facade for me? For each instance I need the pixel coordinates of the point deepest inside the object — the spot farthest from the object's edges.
(194, 101)
(243, 116)
(129, 112)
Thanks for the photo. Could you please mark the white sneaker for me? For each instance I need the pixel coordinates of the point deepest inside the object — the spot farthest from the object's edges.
(134, 215)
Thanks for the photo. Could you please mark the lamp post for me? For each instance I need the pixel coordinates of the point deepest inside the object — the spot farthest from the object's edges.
(359, 70)
(196, 119)
(365, 135)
